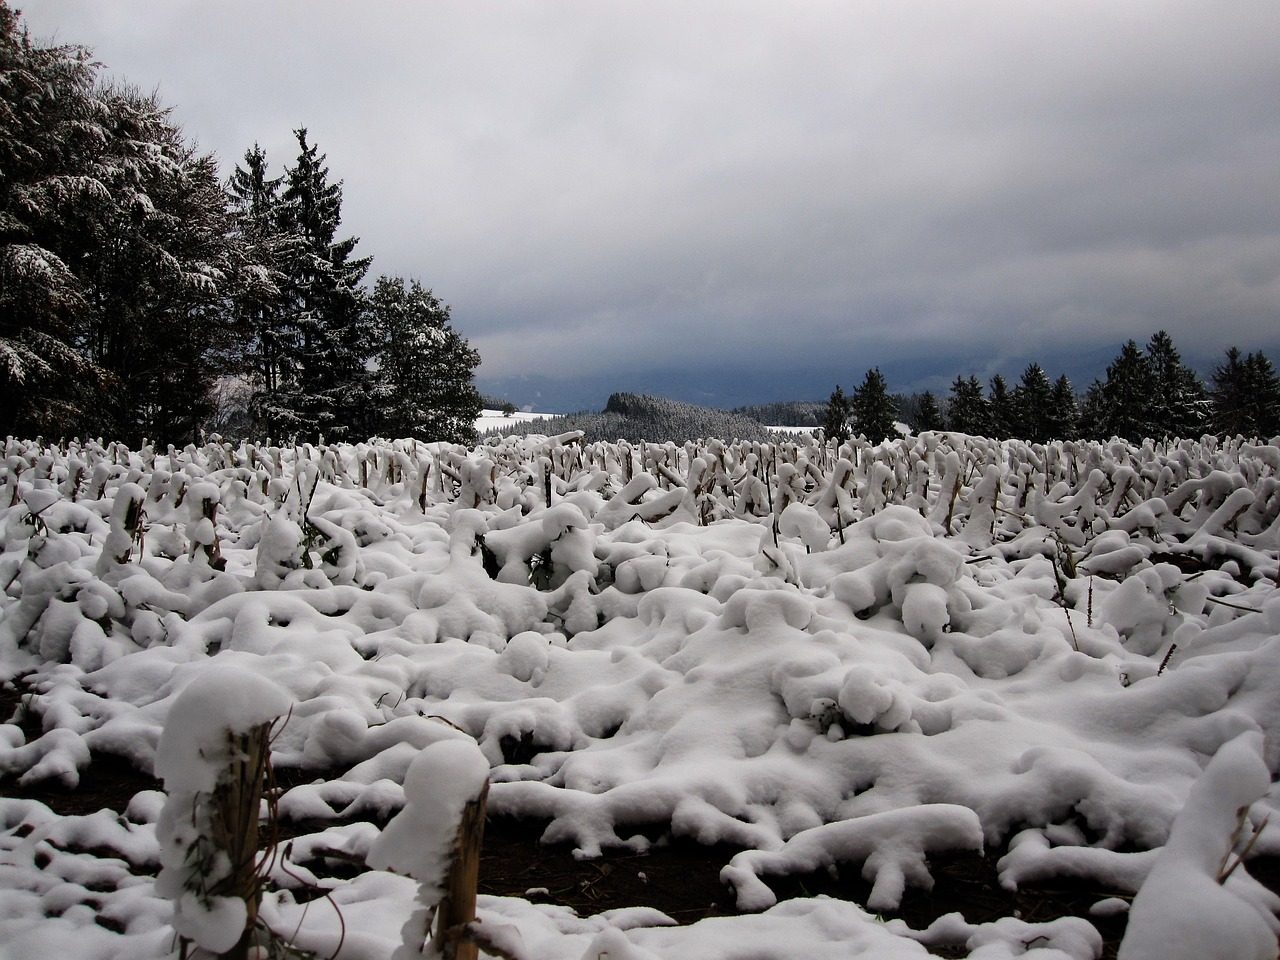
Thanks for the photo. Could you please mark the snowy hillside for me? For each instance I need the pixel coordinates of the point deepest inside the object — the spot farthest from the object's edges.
(855, 659)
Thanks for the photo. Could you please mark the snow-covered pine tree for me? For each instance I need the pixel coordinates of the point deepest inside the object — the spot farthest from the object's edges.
(874, 412)
(259, 297)
(157, 263)
(326, 340)
(425, 370)
(48, 113)
(112, 252)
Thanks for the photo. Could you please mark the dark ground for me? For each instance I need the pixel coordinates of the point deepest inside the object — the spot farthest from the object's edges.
(677, 876)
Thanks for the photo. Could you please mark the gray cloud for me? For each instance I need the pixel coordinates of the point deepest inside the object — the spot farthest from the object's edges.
(617, 185)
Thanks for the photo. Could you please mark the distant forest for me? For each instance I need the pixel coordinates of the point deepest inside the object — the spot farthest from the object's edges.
(1146, 393)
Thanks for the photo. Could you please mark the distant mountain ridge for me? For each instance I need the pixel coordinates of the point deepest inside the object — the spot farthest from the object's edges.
(635, 417)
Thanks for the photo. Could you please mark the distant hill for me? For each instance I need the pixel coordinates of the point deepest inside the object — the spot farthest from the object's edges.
(632, 417)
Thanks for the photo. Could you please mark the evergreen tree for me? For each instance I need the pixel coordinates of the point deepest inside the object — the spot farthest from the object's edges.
(260, 303)
(874, 412)
(1122, 404)
(1092, 416)
(1264, 392)
(928, 414)
(48, 112)
(326, 340)
(1178, 401)
(113, 253)
(839, 411)
(1031, 404)
(425, 369)
(968, 411)
(1245, 399)
(158, 277)
(1000, 408)
(1063, 422)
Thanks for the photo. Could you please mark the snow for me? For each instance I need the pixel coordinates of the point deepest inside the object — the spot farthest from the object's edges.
(1184, 910)
(440, 782)
(192, 757)
(491, 420)
(869, 658)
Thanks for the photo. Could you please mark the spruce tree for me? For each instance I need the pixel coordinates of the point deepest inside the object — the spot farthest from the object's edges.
(159, 277)
(1126, 396)
(1178, 401)
(1264, 395)
(424, 383)
(836, 422)
(1092, 413)
(1031, 404)
(928, 414)
(1229, 399)
(48, 112)
(114, 253)
(874, 412)
(260, 302)
(968, 411)
(1245, 398)
(1063, 421)
(1000, 407)
(327, 340)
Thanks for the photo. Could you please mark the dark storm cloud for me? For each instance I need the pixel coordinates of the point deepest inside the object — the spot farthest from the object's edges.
(612, 185)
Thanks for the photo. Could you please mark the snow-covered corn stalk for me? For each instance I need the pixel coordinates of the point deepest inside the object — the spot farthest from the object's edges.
(435, 839)
(213, 757)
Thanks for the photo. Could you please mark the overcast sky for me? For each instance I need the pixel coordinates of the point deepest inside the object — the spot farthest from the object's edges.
(764, 196)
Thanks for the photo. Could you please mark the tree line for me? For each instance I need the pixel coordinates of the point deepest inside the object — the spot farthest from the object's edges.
(1146, 393)
(141, 296)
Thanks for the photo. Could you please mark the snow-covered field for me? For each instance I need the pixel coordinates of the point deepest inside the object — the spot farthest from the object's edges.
(497, 420)
(852, 658)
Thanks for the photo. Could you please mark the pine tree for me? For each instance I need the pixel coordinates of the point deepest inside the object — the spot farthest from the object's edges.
(968, 411)
(325, 341)
(1031, 404)
(260, 303)
(1000, 407)
(1264, 395)
(424, 384)
(158, 276)
(928, 414)
(1178, 401)
(839, 411)
(874, 412)
(1245, 398)
(50, 120)
(113, 253)
(1229, 399)
(1122, 406)
(1063, 422)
